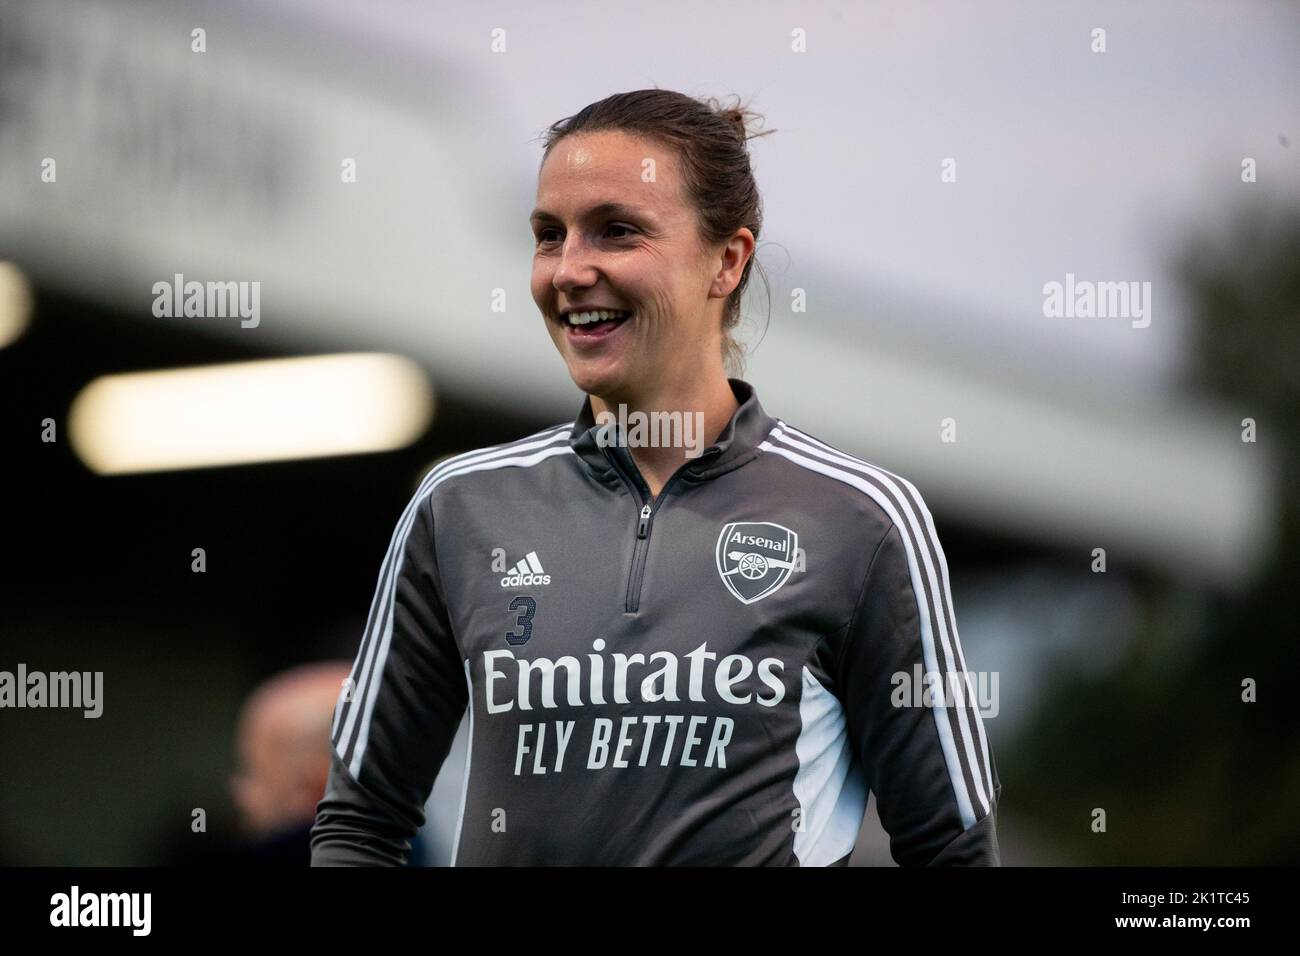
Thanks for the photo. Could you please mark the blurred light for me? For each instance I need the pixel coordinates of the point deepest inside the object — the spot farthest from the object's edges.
(270, 410)
(15, 303)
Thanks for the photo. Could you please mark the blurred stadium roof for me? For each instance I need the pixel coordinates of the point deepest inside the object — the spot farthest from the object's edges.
(225, 165)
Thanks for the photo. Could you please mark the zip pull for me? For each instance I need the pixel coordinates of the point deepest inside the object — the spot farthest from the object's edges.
(643, 527)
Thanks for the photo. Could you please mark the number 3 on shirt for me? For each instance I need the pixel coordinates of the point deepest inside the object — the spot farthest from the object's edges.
(524, 620)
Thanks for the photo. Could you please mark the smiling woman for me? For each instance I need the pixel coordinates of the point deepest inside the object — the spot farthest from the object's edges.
(803, 579)
(648, 209)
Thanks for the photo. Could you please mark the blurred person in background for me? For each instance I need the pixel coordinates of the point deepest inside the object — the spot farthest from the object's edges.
(283, 758)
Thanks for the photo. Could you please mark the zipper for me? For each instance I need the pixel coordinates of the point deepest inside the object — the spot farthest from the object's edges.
(643, 527)
(637, 573)
(644, 524)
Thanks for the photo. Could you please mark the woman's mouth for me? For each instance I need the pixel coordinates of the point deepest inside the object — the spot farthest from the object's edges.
(591, 326)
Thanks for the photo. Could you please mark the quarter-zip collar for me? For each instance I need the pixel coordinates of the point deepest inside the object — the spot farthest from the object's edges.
(737, 444)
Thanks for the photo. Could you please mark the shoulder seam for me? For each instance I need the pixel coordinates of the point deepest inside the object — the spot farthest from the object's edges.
(442, 470)
(862, 592)
(786, 427)
(860, 493)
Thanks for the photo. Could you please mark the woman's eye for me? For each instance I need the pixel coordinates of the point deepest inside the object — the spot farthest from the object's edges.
(551, 233)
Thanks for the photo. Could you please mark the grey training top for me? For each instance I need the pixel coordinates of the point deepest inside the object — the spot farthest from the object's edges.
(716, 676)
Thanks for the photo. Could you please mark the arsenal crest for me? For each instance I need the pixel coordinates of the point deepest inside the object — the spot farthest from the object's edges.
(755, 558)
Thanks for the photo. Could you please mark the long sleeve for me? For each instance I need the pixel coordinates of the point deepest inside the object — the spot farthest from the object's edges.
(397, 716)
(930, 767)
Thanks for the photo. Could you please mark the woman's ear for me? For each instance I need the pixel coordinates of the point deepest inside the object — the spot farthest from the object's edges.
(735, 254)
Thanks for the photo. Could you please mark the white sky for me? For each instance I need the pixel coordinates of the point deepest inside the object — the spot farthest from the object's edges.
(1068, 161)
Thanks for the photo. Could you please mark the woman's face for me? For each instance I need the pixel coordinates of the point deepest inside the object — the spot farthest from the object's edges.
(607, 239)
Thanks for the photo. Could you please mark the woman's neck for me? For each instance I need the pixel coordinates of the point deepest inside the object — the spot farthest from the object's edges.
(703, 411)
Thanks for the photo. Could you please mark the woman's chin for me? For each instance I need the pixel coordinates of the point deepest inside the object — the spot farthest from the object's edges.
(597, 378)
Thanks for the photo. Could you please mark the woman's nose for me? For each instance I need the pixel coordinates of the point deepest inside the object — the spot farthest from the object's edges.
(575, 267)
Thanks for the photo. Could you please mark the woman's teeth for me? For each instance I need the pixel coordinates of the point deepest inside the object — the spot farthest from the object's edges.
(597, 315)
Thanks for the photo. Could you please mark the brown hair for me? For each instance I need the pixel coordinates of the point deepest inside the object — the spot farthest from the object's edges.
(710, 140)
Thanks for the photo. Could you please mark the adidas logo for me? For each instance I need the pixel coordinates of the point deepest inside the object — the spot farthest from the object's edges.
(526, 572)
